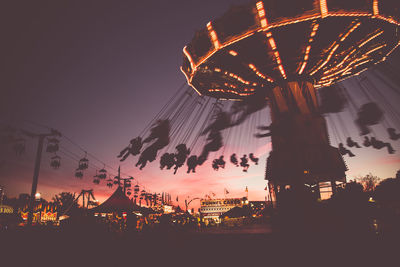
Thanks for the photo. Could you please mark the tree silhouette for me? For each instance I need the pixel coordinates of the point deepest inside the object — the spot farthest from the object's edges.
(388, 191)
(65, 202)
(368, 182)
(387, 195)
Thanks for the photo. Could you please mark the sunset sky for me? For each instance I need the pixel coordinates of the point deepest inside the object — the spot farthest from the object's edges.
(99, 71)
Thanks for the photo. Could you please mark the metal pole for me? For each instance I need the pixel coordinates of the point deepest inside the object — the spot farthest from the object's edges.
(35, 178)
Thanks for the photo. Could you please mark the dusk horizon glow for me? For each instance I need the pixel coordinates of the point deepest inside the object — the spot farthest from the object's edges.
(101, 77)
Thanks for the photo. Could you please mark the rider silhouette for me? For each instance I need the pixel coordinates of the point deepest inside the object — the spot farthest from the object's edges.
(244, 163)
(134, 147)
(191, 163)
(378, 144)
(253, 158)
(180, 156)
(392, 134)
(343, 151)
(234, 160)
(351, 143)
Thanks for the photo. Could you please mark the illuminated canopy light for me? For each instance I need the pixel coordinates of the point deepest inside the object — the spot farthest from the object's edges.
(324, 8)
(370, 38)
(261, 15)
(276, 54)
(237, 39)
(259, 74)
(350, 31)
(375, 8)
(233, 53)
(264, 24)
(233, 75)
(213, 35)
(362, 62)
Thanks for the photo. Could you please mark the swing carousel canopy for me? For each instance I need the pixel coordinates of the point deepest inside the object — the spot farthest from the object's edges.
(271, 42)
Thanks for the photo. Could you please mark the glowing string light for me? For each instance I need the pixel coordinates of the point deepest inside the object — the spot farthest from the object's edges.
(276, 54)
(375, 49)
(326, 60)
(232, 75)
(335, 47)
(363, 42)
(259, 74)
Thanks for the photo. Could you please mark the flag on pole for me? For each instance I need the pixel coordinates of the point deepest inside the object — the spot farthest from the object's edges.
(246, 190)
(226, 191)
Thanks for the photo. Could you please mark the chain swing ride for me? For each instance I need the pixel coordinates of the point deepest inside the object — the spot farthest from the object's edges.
(275, 55)
(287, 58)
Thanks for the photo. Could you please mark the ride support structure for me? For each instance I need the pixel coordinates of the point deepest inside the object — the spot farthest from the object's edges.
(301, 152)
